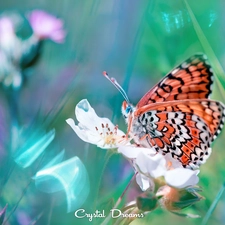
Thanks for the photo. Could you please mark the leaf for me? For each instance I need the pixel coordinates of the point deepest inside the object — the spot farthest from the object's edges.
(147, 201)
(187, 199)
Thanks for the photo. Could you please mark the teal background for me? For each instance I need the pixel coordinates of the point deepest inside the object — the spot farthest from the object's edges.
(137, 42)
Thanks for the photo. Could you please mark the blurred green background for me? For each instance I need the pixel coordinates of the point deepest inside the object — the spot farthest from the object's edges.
(137, 42)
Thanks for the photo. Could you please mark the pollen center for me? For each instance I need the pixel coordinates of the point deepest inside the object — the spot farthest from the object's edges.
(109, 135)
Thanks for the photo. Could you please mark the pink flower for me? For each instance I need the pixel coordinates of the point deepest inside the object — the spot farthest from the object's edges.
(6, 26)
(46, 26)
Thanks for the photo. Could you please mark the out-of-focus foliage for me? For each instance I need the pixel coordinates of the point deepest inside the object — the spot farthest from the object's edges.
(137, 42)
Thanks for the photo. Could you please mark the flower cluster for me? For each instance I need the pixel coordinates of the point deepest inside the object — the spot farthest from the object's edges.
(17, 54)
(150, 165)
(155, 173)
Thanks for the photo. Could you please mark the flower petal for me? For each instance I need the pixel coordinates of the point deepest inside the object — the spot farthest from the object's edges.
(80, 132)
(94, 129)
(86, 115)
(143, 181)
(174, 163)
(46, 26)
(89, 136)
(132, 152)
(181, 177)
(155, 165)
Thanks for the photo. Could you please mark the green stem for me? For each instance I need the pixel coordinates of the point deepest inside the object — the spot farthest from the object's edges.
(107, 219)
(23, 193)
(50, 211)
(12, 98)
(37, 218)
(107, 157)
(129, 210)
(18, 202)
(213, 206)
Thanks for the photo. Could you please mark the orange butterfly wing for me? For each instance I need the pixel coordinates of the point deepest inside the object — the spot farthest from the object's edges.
(190, 80)
(176, 117)
(183, 128)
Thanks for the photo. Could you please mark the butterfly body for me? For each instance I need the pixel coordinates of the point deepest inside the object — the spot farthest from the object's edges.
(176, 117)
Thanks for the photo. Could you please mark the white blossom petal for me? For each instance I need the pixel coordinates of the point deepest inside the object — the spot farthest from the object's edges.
(86, 115)
(132, 152)
(80, 132)
(144, 182)
(157, 166)
(95, 130)
(172, 163)
(181, 177)
(154, 165)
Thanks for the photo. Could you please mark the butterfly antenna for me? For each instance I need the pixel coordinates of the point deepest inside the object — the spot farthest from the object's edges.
(116, 84)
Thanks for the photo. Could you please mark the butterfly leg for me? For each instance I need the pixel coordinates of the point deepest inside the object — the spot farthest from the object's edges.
(129, 126)
(145, 137)
(150, 141)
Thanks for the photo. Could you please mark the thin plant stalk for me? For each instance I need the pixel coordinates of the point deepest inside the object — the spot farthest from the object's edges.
(34, 221)
(18, 202)
(12, 98)
(213, 206)
(107, 219)
(50, 211)
(23, 193)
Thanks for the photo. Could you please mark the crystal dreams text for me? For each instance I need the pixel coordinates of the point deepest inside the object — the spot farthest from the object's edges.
(115, 213)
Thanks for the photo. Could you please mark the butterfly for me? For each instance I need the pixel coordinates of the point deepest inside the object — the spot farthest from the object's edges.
(176, 116)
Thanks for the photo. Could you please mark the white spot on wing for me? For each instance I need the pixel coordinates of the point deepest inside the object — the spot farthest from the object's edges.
(164, 129)
(185, 65)
(177, 151)
(175, 71)
(183, 129)
(198, 151)
(186, 136)
(203, 136)
(177, 143)
(181, 139)
(176, 121)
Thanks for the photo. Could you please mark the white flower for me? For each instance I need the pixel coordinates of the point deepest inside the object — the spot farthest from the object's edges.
(151, 165)
(94, 129)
